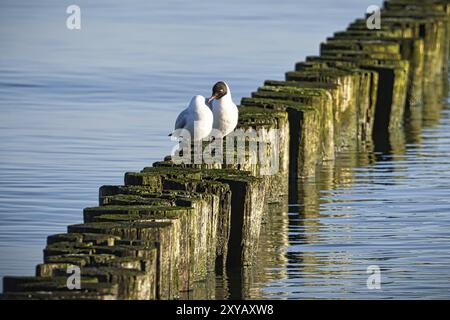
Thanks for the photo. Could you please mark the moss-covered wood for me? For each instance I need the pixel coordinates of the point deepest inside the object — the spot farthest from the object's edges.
(171, 227)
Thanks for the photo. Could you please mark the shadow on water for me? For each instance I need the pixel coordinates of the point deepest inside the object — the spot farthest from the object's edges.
(360, 209)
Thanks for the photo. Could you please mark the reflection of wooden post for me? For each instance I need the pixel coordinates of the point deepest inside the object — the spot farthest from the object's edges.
(271, 260)
(432, 103)
(169, 227)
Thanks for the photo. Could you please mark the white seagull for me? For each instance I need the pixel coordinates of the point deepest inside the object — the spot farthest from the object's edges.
(223, 108)
(197, 119)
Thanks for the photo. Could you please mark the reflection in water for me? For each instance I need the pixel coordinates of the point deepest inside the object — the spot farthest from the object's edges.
(246, 283)
(389, 209)
(78, 110)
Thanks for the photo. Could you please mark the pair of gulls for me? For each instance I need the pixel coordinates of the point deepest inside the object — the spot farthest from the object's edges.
(203, 115)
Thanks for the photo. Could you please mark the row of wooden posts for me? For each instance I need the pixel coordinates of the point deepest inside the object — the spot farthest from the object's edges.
(170, 225)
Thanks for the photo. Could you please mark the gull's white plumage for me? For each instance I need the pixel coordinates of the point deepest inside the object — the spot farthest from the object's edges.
(197, 119)
(225, 113)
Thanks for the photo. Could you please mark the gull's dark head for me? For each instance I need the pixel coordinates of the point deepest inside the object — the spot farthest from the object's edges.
(219, 90)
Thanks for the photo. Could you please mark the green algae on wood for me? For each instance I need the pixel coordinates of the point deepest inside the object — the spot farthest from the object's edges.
(159, 235)
(344, 105)
(299, 116)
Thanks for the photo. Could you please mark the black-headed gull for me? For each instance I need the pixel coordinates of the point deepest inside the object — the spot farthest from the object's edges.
(224, 110)
(197, 119)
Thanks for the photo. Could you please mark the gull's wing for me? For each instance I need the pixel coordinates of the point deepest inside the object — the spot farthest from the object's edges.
(181, 119)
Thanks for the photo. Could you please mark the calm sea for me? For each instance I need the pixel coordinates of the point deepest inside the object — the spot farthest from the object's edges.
(79, 108)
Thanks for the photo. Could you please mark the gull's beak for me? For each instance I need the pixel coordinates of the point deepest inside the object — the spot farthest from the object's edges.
(212, 98)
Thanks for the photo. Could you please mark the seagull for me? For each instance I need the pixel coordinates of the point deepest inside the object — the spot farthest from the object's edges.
(223, 108)
(197, 119)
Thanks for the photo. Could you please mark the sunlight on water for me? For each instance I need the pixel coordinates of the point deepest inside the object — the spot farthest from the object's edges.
(78, 109)
(393, 213)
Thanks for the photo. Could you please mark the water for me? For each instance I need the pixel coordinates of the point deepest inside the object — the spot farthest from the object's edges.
(80, 108)
(365, 209)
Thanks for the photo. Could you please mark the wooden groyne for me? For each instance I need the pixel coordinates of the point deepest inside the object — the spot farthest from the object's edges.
(162, 233)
